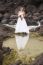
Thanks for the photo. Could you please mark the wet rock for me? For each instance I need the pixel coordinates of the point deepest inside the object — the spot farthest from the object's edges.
(40, 8)
(36, 14)
(41, 17)
(38, 61)
(41, 22)
(35, 18)
(41, 30)
(12, 17)
(18, 62)
(6, 50)
(31, 8)
(1, 42)
(2, 8)
(10, 5)
(1, 16)
(4, 21)
(3, 32)
(1, 57)
(13, 22)
(6, 15)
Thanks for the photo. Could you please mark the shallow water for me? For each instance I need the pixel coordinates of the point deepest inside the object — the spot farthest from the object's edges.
(33, 46)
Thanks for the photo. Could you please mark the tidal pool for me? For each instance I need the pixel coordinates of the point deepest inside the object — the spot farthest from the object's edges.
(33, 45)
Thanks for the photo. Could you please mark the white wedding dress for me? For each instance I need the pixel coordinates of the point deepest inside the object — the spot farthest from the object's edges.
(21, 26)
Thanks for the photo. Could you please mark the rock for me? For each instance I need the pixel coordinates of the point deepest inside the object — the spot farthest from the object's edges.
(13, 22)
(38, 61)
(1, 43)
(18, 62)
(31, 8)
(41, 30)
(41, 21)
(6, 50)
(3, 32)
(4, 21)
(40, 8)
(41, 17)
(35, 18)
(1, 16)
(12, 17)
(2, 8)
(1, 57)
(6, 15)
(36, 14)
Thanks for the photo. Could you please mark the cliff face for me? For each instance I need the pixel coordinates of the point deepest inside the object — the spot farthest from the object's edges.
(11, 5)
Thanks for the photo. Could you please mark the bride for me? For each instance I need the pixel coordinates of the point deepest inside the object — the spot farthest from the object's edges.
(21, 26)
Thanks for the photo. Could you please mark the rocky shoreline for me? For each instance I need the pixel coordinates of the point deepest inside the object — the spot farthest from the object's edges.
(8, 15)
(5, 32)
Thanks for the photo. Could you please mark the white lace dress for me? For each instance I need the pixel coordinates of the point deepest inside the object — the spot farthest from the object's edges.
(21, 26)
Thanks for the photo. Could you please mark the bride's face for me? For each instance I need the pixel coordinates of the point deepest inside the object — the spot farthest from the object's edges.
(21, 13)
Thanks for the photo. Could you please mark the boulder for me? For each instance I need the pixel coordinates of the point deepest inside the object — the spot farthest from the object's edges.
(38, 60)
(18, 62)
(4, 21)
(6, 15)
(1, 57)
(1, 43)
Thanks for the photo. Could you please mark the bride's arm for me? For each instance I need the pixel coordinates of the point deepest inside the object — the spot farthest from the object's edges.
(34, 27)
(12, 26)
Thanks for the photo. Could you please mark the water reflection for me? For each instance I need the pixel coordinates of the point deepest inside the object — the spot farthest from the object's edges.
(21, 41)
(32, 46)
